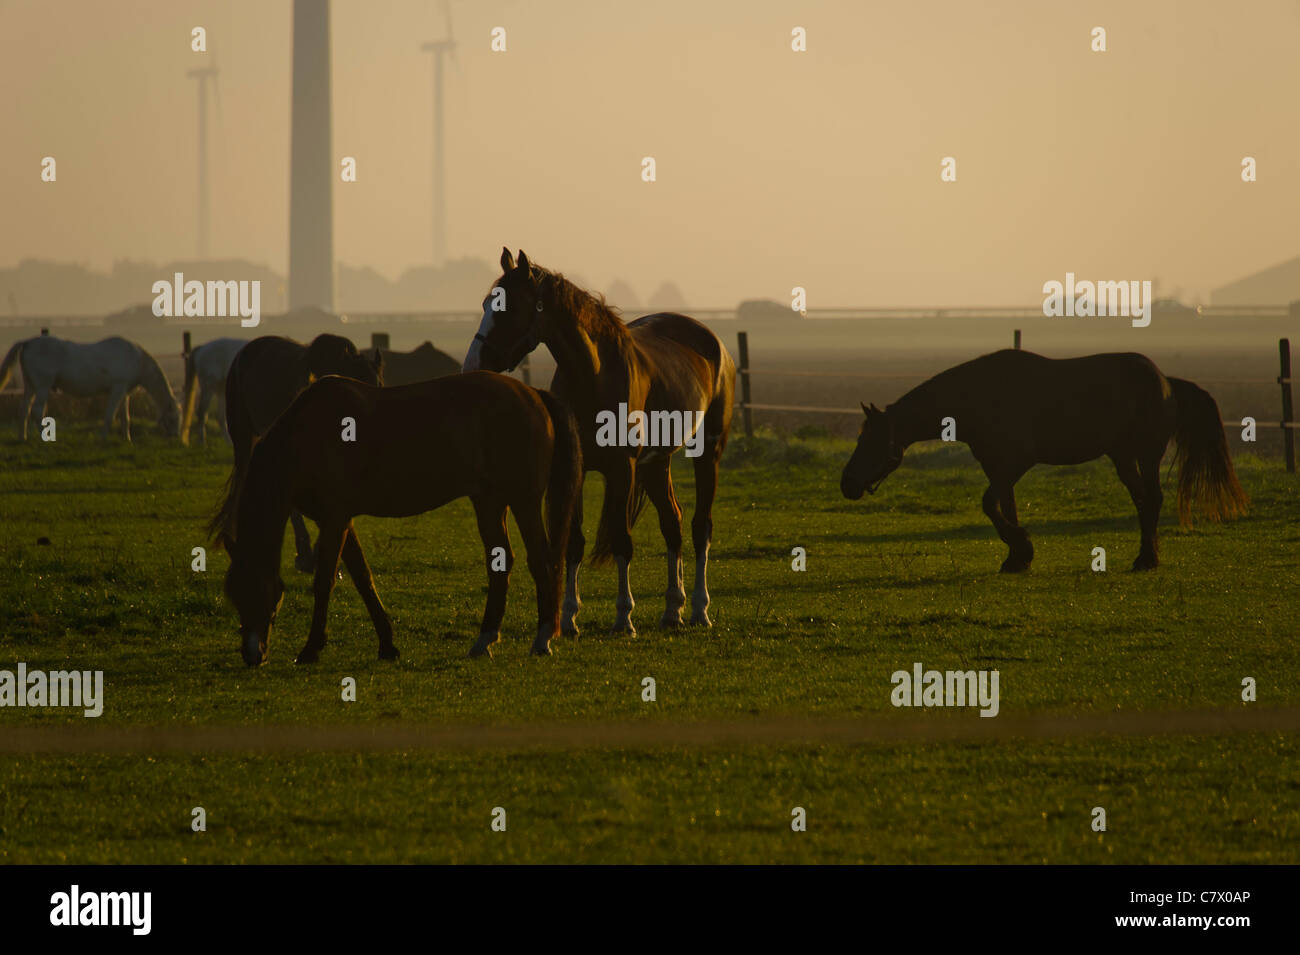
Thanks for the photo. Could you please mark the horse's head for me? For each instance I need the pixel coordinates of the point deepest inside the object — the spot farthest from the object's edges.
(257, 598)
(336, 355)
(169, 419)
(875, 458)
(514, 318)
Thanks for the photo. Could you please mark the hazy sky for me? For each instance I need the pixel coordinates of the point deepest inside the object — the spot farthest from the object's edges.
(775, 168)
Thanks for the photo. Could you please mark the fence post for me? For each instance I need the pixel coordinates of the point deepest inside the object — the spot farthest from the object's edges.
(185, 344)
(1017, 346)
(379, 340)
(525, 372)
(742, 339)
(1284, 379)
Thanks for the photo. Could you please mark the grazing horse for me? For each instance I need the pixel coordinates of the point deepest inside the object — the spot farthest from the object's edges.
(113, 366)
(653, 368)
(407, 367)
(1016, 409)
(486, 437)
(205, 378)
(265, 377)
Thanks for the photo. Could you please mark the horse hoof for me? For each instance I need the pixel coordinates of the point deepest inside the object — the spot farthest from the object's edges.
(671, 620)
(541, 649)
(1147, 563)
(305, 565)
(483, 645)
(388, 653)
(700, 618)
(624, 628)
(570, 631)
(307, 655)
(1010, 566)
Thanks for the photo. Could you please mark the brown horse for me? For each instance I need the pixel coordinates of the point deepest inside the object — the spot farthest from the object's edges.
(662, 368)
(264, 377)
(1016, 409)
(414, 448)
(420, 364)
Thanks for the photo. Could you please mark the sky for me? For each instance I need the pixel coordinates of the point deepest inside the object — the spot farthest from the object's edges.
(775, 168)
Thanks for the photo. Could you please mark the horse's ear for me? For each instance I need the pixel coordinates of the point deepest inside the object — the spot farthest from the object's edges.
(507, 260)
(875, 409)
(865, 410)
(524, 263)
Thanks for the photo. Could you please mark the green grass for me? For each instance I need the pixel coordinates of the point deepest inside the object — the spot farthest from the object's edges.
(907, 575)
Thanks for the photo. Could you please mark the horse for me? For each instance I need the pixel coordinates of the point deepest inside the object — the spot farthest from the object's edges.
(654, 367)
(407, 367)
(205, 378)
(114, 366)
(487, 437)
(265, 377)
(1016, 409)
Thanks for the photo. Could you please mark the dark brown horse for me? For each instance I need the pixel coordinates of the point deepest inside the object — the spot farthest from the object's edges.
(420, 364)
(264, 377)
(413, 449)
(662, 367)
(1016, 409)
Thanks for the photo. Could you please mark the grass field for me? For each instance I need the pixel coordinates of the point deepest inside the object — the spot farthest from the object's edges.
(909, 575)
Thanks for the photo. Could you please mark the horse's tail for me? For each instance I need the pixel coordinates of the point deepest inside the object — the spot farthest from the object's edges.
(191, 395)
(11, 358)
(566, 475)
(239, 424)
(1206, 479)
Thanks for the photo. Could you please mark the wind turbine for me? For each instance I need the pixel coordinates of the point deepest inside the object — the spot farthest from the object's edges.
(203, 75)
(438, 48)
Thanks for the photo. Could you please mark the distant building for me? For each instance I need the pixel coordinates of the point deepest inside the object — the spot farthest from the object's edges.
(1277, 285)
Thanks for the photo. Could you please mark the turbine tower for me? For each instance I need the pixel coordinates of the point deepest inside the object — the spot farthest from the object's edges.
(311, 211)
(205, 219)
(438, 48)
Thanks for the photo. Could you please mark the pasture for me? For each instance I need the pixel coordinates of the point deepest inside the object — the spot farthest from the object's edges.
(95, 573)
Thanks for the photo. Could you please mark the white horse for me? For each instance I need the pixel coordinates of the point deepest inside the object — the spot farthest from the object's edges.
(205, 377)
(114, 366)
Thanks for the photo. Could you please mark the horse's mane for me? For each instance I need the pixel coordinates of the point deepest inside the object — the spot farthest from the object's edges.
(595, 316)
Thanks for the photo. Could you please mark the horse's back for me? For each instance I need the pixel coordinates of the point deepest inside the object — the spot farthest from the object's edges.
(648, 331)
(81, 369)
(438, 439)
(1067, 410)
(667, 337)
(264, 377)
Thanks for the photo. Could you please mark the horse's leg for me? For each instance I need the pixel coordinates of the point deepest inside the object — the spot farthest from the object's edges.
(330, 541)
(1021, 547)
(304, 560)
(359, 571)
(115, 398)
(126, 416)
(1152, 497)
(546, 575)
(491, 517)
(657, 479)
(42, 405)
(29, 396)
(221, 414)
(620, 480)
(205, 398)
(1020, 551)
(573, 560)
(706, 486)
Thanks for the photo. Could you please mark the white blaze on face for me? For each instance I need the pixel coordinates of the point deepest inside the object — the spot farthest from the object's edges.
(473, 360)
